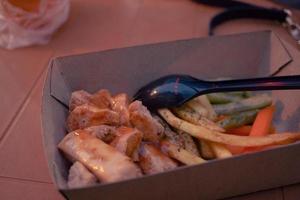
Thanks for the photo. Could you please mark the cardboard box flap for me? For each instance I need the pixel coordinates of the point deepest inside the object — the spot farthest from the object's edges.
(239, 56)
(54, 122)
(59, 88)
(279, 56)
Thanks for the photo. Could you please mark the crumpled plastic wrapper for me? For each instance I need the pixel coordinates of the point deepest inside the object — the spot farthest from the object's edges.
(20, 28)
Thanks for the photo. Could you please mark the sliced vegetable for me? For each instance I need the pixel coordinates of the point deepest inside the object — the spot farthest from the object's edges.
(238, 119)
(263, 121)
(214, 136)
(261, 125)
(221, 98)
(243, 130)
(190, 115)
(251, 103)
(272, 130)
(244, 94)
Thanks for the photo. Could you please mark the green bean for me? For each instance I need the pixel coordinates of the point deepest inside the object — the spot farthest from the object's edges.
(251, 103)
(244, 94)
(221, 98)
(239, 119)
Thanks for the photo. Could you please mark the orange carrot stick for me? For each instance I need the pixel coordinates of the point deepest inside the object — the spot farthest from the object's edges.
(235, 149)
(243, 130)
(262, 125)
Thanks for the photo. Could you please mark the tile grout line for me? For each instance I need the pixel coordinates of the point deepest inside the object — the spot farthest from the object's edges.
(23, 104)
(25, 180)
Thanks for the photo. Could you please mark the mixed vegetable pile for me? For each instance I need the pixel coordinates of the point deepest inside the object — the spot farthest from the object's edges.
(111, 138)
(235, 113)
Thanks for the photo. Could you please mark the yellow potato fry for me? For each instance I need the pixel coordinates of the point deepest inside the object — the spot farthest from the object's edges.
(220, 150)
(206, 150)
(180, 154)
(191, 116)
(205, 102)
(198, 107)
(214, 136)
(188, 142)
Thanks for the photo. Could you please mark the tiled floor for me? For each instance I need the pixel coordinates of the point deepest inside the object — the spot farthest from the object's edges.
(95, 25)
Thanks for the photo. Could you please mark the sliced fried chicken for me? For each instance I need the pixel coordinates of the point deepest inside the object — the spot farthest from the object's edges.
(79, 98)
(128, 140)
(152, 160)
(141, 118)
(102, 99)
(80, 176)
(103, 160)
(120, 105)
(87, 115)
(104, 132)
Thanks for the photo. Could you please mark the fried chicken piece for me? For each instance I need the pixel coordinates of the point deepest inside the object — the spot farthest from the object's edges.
(104, 132)
(135, 155)
(79, 98)
(102, 99)
(127, 141)
(103, 160)
(152, 160)
(120, 105)
(141, 118)
(87, 115)
(80, 176)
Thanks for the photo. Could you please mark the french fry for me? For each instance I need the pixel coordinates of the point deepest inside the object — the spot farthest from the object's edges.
(220, 150)
(206, 150)
(188, 142)
(180, 154)
(191, 116)
(203, 100)
(198, 107)
(212, 150)
(215, 136)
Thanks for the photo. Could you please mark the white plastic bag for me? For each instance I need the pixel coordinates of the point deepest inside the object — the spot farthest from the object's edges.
(20, 28)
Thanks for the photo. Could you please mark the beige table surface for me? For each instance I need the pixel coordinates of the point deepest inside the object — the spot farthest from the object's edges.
(97, 25)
